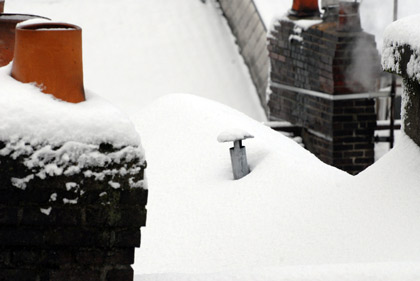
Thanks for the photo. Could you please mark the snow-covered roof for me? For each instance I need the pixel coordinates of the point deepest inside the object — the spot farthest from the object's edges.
(143, 50)
(291, 209)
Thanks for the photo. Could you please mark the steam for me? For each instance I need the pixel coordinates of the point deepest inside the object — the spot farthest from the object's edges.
(363, 73)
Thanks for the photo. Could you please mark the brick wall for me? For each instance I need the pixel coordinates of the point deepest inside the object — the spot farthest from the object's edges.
(74, 227)
(329, 64)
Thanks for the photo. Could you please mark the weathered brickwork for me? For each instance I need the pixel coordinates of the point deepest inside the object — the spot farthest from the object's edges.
(74, 227)
(320, 59)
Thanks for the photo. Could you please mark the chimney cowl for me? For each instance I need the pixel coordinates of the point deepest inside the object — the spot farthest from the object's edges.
(304, 8)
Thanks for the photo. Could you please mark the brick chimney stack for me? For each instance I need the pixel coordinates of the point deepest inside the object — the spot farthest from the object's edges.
(322, 74)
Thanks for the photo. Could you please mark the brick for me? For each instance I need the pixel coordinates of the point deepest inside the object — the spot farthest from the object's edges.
(19, 274)
(4, 258)
(37, 256)
(76, 275)
(78, 236)
(136, 196)
(127, 238)
(109, 216)
(126, 274)
(21, 237)
(9, 215)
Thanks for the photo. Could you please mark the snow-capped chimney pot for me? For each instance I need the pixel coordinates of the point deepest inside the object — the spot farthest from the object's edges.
(50, 54)
(348, 16)
(304, 8)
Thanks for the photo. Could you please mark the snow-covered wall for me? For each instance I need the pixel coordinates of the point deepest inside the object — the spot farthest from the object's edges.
(401, 55)
(73, 191)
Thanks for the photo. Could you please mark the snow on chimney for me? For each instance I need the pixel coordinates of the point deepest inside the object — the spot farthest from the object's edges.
(401, 56)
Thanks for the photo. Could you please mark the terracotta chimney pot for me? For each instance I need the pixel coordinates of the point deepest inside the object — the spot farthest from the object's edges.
(50, 54)
(1, 6)
(8, 24)
(304, 8)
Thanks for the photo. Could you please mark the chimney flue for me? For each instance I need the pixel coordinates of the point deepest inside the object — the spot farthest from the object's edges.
(304, 8)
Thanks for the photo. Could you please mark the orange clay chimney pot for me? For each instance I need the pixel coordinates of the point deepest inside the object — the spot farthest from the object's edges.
(1, 6)
(50, 54)
(305, 8)
(8, 24)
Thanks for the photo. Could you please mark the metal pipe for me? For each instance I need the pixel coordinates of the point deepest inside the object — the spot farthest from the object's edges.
(393, 91)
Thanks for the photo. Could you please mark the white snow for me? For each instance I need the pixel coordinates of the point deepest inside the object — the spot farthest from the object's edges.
(71, 185)
(56, 137)
(70, 201)
(114, 185)
(305, 23)
(291, 210)
(21, 183)
(55, 29)
(291, 218)
(350, 272)
(294, 37)
(402, 32)
(53, 197)
(30, 116)
(233, 135)
(46, 211)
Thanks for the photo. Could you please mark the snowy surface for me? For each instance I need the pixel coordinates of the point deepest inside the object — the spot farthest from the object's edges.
(376, 15)
(290, 210)
(333, 272)
(233, 135)
(292, 217)
(55, 138)
(402, 32)
(137, 51)
(33, 116)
